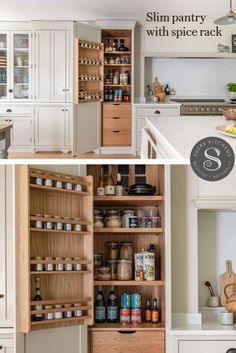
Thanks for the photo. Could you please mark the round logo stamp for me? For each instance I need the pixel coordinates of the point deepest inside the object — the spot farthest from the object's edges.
(212, 158)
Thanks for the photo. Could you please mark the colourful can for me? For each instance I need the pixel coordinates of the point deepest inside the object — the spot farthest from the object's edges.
(136, 316)
(125, 301)
(136, 301)
(124, 317)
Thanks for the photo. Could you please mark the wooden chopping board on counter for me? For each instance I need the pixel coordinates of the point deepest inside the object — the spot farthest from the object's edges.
(227, 278)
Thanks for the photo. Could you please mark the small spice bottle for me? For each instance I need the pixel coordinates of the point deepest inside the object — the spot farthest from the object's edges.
(67, 313)
(49, 265)
(68, 266)
(59, 266)
(78, 312)
(58, 314)
(76, 264)
(49, 316)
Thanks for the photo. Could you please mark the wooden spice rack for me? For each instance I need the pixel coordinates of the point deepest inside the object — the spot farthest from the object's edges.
(57, 287)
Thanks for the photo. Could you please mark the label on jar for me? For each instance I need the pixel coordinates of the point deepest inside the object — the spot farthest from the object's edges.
(124, 316)
(100, 313)
(110, 190)
(149, 266)
(119, 190)
(100, 191)
(38, 307)
(112, 313)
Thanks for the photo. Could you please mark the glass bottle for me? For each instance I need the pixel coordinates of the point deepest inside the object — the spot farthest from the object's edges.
(110, 186)
(110, 46)
(167, 90)
(37, 298)
(101, 186)
(119, 186)
(100, 307)
(122, 46)
(107, 45)
(112, 308)
(155, 312)
(115, 45)
(148, 311)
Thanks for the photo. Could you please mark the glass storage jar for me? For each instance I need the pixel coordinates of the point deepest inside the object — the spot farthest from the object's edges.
(125, 218)
(124, 270)
(104, 273)
(112, 250)
(113, 266)
(98, 221)
(126, 251)
(113, 221)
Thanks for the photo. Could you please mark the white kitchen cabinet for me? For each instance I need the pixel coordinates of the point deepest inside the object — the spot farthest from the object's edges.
(6, 248)
(6, 345)
(52, 128)
(206, 346)
(53, 66)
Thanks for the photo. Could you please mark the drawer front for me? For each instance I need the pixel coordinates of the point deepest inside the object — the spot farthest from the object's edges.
(126, 342)
(117, 137)
(117, 110)
(8, 110)
(206, 346)
(163, 111)
(116, 123)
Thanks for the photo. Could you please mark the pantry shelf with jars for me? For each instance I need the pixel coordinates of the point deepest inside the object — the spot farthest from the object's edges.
(55, 246)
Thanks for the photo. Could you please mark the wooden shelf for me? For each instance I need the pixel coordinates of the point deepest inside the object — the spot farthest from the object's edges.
(59, 220)
(89, 100)
(58, 322)
(51, 231)
(82, 262)
(46, 311)
(127, 200)
(129, 230)
(61, 301)
(118, 65)
(54, 189)
(144, 326)
(107, 85)
(129, 283)
(59, 272)
(124, 53)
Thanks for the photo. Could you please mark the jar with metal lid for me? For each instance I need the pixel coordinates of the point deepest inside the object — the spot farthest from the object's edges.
(104, 273)
(112, 250)
(39, 223)
(58, 314)
(68, 265)
(124, 270)
(39, 181)
(67, 313)
(113, 266)
(77, 227)
(98, 221)
(49, 264)
(133, 222)
(78, 312)
(126, 251)
(48, 182)
(59, 265)
(49, 316)
(58, 184)
(47, 223)
(67, 226)
(125, 218)
(39, 265)
(76, 264)
(113, 221)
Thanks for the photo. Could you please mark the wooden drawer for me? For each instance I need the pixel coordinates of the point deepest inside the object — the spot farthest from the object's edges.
(13, 110)
(217, 346)
(116, 123)
(117, 110)
(117, 137)
(127, 342)
(157, 111)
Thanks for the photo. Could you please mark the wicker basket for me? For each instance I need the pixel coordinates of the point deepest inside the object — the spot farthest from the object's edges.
(230, 113)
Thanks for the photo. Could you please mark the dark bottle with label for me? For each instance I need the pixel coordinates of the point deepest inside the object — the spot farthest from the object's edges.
(155, 312)
(112, 307)
(148, 311)
(167, 90)
(37, 298)
(122, 46)
(100, 307)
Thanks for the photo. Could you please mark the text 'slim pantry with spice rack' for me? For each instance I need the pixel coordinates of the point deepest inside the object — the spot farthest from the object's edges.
(79, 288)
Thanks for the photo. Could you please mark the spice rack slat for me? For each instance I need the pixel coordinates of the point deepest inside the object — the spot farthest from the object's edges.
(57, 287)
(129, 283)
(129, 230)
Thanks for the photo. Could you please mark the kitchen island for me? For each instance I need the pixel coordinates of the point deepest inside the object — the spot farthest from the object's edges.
(173, 138)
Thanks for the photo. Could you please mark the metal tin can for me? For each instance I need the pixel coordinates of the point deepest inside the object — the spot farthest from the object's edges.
(136, 316)
(136, 301)
(138, 266)
(124, 317)
(149, 266)
(125, 301)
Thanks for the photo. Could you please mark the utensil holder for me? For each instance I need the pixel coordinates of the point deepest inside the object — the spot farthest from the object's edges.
(213, 301)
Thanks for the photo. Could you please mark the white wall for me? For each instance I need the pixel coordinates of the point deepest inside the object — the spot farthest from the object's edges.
(216, 244)
(196, 77)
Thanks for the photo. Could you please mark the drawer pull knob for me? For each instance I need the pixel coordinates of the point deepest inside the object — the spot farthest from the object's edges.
(1, 296)
(231, 350)
(157, 112)
(116, 131)
(9, 110)
(127, 332)
(116, 117)
(10, 90)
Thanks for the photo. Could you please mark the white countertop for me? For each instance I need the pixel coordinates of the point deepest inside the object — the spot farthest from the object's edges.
(205, 329)
(179, 134)
(153, 104)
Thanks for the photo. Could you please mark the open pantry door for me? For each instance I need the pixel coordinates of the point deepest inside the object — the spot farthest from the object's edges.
(88, 88)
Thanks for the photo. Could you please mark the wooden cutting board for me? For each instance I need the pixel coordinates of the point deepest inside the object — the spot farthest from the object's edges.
(227, 278)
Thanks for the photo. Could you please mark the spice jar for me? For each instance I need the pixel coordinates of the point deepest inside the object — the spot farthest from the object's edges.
(58, 184)
(133, 222)
(39, 223)
(104, 273)
(39, 181)
(68, 186)
(49, 316)
(124, 270)
(59, 265)
(67, 313)
(98, 221)
(78, 187)
(67, 226)
(126, 251)
(125, 218)
(48, 182)
(78, 312)
(47, 224)
(77, 227)
(68, 266)
(112, 250)
(76, 264)
(113, 221)
(58, 314)
(98, 260)
(38, 266)
(113, 266)
(49, 265)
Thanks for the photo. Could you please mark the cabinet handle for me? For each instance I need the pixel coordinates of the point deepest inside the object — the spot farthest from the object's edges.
(67, 89)
(157, 112)
(63, 110)
(116, 131)
(116, 117)
(66, 110)
(9, 110)
(10, 90)
(128, 333)
(1, 296)
(63, 89)
(116, 103)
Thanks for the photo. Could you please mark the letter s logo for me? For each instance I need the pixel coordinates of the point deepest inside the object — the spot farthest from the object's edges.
(209, 163)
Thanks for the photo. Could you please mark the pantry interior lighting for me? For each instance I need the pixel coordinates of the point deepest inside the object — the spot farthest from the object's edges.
(229, 19)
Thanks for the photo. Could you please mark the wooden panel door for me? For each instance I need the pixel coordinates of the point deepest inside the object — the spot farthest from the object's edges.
(42, 66)
(6, 248)
(58, 66)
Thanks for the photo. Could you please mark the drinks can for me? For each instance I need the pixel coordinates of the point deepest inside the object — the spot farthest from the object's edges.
(136, 316)
(149, 266)
(124, 317)
(136, 301)
(125, 301)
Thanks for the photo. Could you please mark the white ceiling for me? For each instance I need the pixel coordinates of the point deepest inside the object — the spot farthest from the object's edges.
(106, 9)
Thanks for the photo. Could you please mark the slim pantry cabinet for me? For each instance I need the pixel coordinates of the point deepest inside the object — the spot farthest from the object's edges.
(79, 287)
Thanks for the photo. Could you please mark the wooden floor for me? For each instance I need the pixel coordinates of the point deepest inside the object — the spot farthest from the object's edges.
(59, 155)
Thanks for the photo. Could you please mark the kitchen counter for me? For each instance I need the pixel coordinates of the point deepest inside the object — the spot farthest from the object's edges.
(205, 329)
(138, 102)
(177, 136)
